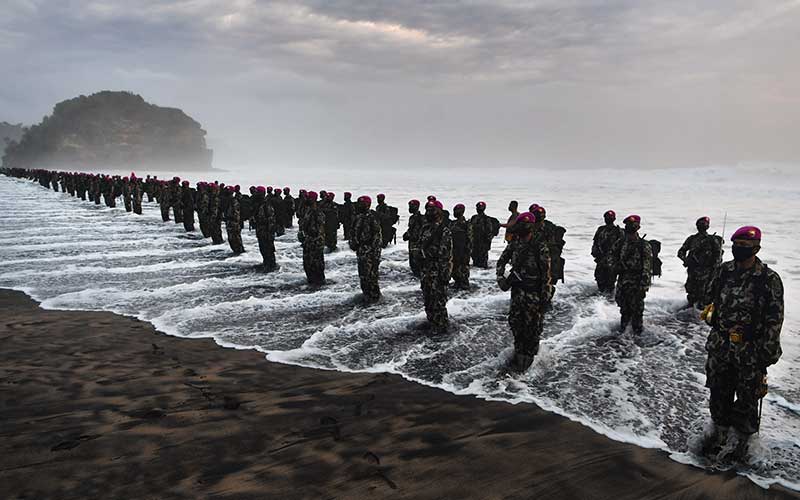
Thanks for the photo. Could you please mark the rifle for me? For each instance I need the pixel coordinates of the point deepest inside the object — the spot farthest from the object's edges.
(724, 221)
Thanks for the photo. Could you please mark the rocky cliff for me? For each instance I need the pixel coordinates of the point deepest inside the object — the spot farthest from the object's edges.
(112, 130)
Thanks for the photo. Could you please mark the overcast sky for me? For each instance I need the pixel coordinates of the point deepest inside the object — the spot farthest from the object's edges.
(402, 84)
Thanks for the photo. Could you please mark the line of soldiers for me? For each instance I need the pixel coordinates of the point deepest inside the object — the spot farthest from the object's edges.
(742, 299)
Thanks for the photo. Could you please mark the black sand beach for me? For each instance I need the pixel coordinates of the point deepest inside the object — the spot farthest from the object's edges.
(96, 405)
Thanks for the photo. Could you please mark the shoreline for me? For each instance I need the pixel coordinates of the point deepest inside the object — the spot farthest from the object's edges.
(97, 404)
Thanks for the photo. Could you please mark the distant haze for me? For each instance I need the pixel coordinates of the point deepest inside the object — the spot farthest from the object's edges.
(412, 84)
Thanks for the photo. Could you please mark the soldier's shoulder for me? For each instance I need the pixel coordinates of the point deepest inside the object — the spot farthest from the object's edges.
(774, 281)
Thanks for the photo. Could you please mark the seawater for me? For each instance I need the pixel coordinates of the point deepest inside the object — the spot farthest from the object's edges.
(70, 254)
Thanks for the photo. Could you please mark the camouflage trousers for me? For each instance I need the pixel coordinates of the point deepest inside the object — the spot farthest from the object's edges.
(137, 206)
(630, 299)
(347, 228)
(434, 294)
(110, 200)
(188, 220)
(526, 319)
(734, 386)
(414, 259)
(235, 237)
(215, 230)
(149, 197)
(202, 219)
(605, 276)
(460, 272)
(127, 201)
(331, 240)
(164, 212)
(177, 213)
(696, 281)
(314, 264)
(480, 256)
(368, 263)
(266, 246)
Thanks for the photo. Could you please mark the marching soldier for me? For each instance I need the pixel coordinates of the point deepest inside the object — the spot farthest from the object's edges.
(605, 238)
(701, 255)
(366, 241)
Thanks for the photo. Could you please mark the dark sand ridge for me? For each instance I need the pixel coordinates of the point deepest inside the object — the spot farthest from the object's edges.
(96, 405)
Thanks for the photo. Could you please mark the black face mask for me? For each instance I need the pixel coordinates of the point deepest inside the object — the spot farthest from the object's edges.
(430, 215)
(631, 229)
(609, 220)
(741, 253)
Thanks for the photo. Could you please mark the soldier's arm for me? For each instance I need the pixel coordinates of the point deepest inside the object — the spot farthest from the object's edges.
(596, 253)
(684, 248)
(770, 348)
(470, 238)
(377, 234)
(503, 260)
(545, 263)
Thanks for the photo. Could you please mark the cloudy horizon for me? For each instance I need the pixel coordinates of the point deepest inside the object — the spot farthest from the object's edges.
(344, 83)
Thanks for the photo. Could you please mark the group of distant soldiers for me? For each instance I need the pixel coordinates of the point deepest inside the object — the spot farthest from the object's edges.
(742, 299)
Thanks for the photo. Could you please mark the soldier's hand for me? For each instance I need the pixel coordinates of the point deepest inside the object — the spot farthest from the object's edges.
(503, 283)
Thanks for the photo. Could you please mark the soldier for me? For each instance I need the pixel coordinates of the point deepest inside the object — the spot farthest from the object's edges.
(175, 198)
(388, 217)
(202, 202)
(746, 317)
(148, 188)
(484, 228)
(288, 207)
(215, 215)
(264, 220)
(233, 221)
(300, 205)
(513, 207)
(461, 231)
(604, 239)
(366, 241)
(330, 210)
(529, 282)
(126, 194)
(312, 236)
(164, 202)
(136, 194)
(187, 206)
(633, 263)
(554, 237)
(412, 235)
(347, 214)
(436, 258)
(280, 211)
(701, 254)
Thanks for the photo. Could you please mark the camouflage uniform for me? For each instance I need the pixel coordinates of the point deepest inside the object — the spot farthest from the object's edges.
(233, 224)
(136, 193)
(203, 200)
(633, 263)
(264, 220)
(347, 212)
(312, 235)
(554, 238)
(462, 234)
(288, 208)
(530, 293)
(176, 200)
(605, 238)
(278, 207)
(749, 302)
(330, 210)
(164, 202)
(215, 217)
(436, 260)
(126, 196)
(701, 253)
(484, 230)
(387, 215)
(412, 235)
(187, 208)
(367, 241)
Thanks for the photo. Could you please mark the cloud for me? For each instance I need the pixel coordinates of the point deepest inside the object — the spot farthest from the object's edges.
(455, 82)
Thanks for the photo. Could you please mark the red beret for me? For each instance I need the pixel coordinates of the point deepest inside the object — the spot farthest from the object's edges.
(749, 233)
(431, 197)
(311, 195)
(381, 196)
(414, 203)
(185, 183)
(704, 219)
(533, 207)
(458, 206)
(611, 213)
(261, 189)
(632, 218)
(526, 217)
(434, 204)
(365, 199)
(480, 204)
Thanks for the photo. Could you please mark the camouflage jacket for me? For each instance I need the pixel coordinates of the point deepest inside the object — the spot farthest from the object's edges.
(750, 302)
(436, 249)
(312, 228)
(702, 251)
(483, 228)
(263, 217)
(633, 262)
(530, 264)
(553, 235)
(462, 233)
(604, 239)
(415, 223)
(366, 236)
(233, 215)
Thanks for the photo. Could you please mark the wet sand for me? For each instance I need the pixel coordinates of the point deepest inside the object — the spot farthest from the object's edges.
(96, 405)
